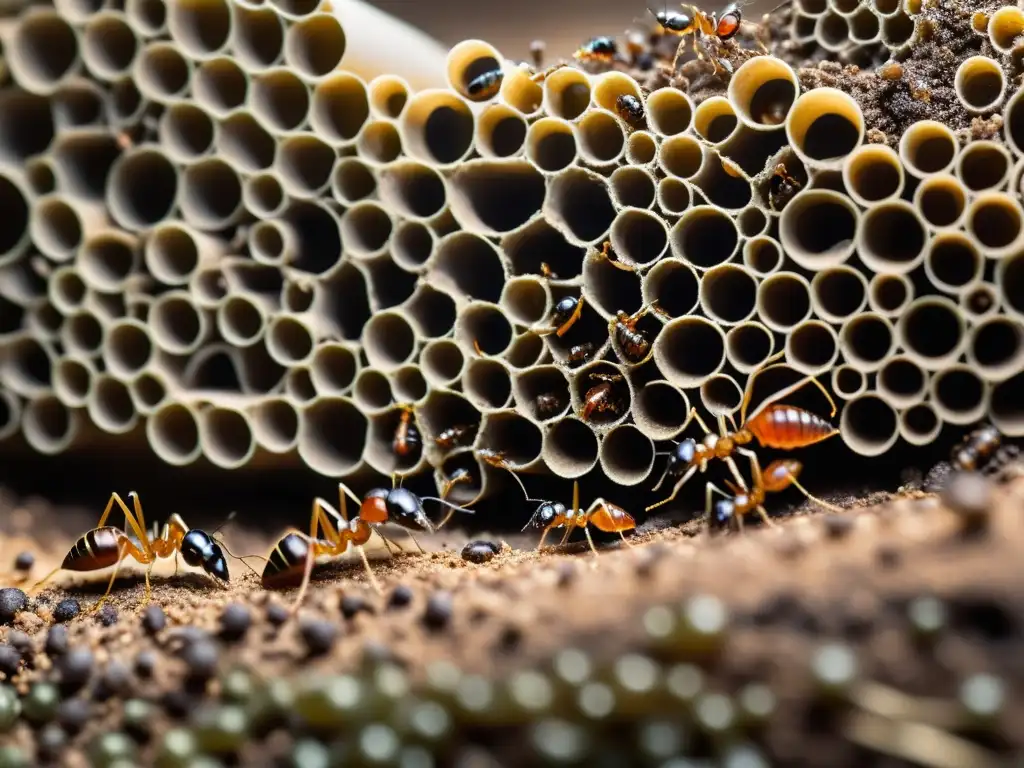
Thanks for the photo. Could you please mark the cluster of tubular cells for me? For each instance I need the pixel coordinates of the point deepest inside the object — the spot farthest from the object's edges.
(215, 236)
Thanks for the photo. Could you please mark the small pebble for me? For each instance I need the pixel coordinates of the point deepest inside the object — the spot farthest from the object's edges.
(276, 614)
(439, 610)
(510, 639)
(353, 604)
(10, 660)
(40, 704)
(56, 641)
(73, 714)
(115, 680)
(201, 657)
(12, 602)
(837, 526)
(178, 704)
(888, 556)
(24, 561)
(76, 668)
(235, 621)
(480, 551)
(153, 619)
(21, 641)
(50, 742)
(318, 635)
(401, 596)
(66, 610)
(566, 574)
(970, 495)
(145, 664)
(107, 615)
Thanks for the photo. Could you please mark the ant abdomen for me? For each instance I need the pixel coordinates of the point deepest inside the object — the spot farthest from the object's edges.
(99, 548)
(286, 564)
(785, 427)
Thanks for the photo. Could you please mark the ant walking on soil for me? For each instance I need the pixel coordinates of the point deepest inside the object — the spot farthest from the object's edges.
(106, 546)
(603, 515)
(772, 425)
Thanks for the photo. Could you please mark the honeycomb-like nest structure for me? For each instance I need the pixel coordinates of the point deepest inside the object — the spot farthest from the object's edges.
(212, 229)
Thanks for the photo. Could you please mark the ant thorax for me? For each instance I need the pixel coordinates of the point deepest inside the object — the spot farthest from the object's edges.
(710, 441)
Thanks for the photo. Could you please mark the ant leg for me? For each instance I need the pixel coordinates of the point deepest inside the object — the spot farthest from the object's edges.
(625, 541)
(418, 545)
(306, 574)
(675, 491)
(123, 553)
(590, 541)
(709, 492)
(369, 571)
(785, 392)
(575, 512)
(128, 516)
(764, 516)
(824, 504)
(343, 491)
(544, 535)
(700, 421)
(149, 589)
(45, 579)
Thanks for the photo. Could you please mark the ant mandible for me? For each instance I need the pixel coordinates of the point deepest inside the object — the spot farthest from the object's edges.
(772, 425)
(106, 546)
(603, 515)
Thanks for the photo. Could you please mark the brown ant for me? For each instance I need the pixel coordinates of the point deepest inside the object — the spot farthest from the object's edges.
(606, 252)
(703, 26)
(580, 353)
(772, 425)
(603, 397)
(452, 436)
(548, 404)
(976, 447)
(630, 109)
(603, 515)
(106, 546)
(776, 477)
(485, 86)
(781, 188)
(407, 436)
(634, 344)
(546, 272)
(564, 316)
(460, 475)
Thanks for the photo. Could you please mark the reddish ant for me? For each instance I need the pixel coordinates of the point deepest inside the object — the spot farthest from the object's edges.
(772, 425)
(106, 546)
(460, 475)
(781, 188)
(976, 447)
(580, 353)
(546, 272)
(606, 252)
(704, 27)
(407, 436)
(775, 478)
(602, 398)
(564, 316)
(634, 344)
(603, 515)
(452, 436)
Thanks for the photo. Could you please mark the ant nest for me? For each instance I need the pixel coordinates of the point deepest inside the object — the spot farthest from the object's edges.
(231, 242)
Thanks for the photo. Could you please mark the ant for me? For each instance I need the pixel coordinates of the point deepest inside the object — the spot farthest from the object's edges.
(775, 478)
(580, 353)
(603, 515)
(485, 86)
(635, 345)
(601, 49)
(548, 404)
(106, 546)
(976, 447)
(537, 50)
(602, 398)
(630, 109)
(703, 26)
(407, 436)
(564, 316)
(452, 436)
(772, 425)
(781, 188)
(606, 252)
(546, 271)
(460, 475)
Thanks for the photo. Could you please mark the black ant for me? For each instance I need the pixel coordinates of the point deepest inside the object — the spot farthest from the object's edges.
(580, 353)
(634, 344)
(454, 435)
(106, 546)
(564, 316)
(781, 188)
(703, 26)
(603, 397)
(485, 86)
(772, 425)
(603, 515)
(407, 436)
(630, 109)
(976, 448)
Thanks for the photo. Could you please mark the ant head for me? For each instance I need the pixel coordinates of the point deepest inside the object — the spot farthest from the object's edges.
(546, 514)
(685, 451)
(673, 21)
(406, 509)
(723, 512)
(199, 550)
(566, 305)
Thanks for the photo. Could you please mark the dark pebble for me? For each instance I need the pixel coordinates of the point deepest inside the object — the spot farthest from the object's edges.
(888, 556)
(353, 604)
(73, 714)
(66, 610)
(10, 660)
(439, 610)
(21, 641)
(235, 622)
(318, 635)
(76, 668)
(401, 596)
(178, 704)
(114, 681)
(153, 619)
(480, 551)
(201, 657)
(837, 526)
(145, 664)
(56, 641)
(510, 639)
(376, 652)
(50, 742)
(566, 574)
(276, 614)
(24, 561)
(107, 616)
(12, 602)
(970, 495)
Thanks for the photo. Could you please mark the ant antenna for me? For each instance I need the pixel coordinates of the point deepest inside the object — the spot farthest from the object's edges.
(228, 519)
(447, 504)
(241, 558)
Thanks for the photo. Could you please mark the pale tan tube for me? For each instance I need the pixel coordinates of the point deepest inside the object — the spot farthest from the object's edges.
(49, 426)
(689, 350)
(704, 237)
(388, 96)
(26, 365)
(467, 61)
(173, 434)
(59, 224)
(838, 293)
(340, 109)
(526, 300)
(43, 320)
(298, 385)
(273, 243)
(578, 203)
(123, 107)
(226, 436)
(482, 324)
(352, 181)
(627, 455)
(748, 345)
(541, 393)
(437, 127)
(443, 363)
(280, 100)
(147, 18)
(412, 189)
(186, 132)
(721, 395)
(1005, 409)
(76, 103)
(728, 294)
(304, 165)
(431, 311)
(366, 229)
(869, 425)
(984, 165)
(332, 436)
(872, 173)
(762, 91)
(334, 367)
(412, 245)
(245, 144)
(1004, 27)
(1009, 285)
(16, 240)
(128, 348)
(714, 119)
(200, 28)
(242, 318)
(889, 294)
(162, 73)
(891, 238)
(211, 195)
(488, 384)
(953, 262)
(752, 222)
(174, 251)
(570, 448)
(110, 405)
(941, 200)
(441, 410)
(257, 37)
(783, 301)
(674, 285)
(82, 160)
(996, 220)
(902, 382)
(500, 132)
(148, 391)
(42, 50)
(220, 86)
(980, 84)
(275, 424)
(600, 138)
(1013, 122)
(10, 415)
(82, 335)
(932, 331)
(824, 126)
(848, 381)
(920, 424)
(639, 237)
(142, 188)
(389, 340)
(408, 384)
(818, 229)
(482, 478)
(379, 142)
(108, 259)
(72, 380)
(866, 341)
(520, 92)
(832, 32)
(177, 325)
(927, 147)
(20, 286)
(865, 28)
(812, 347)
(641, 149)
(762, 255)
(314, 46)
(109, 45)
(681, 156)
(66, 291)
(40, 176)
(539, 242)
(290, 339)
(567, 93)
(996, 348)
(674, 196)
(551, 145)
(959, 395)
(660, 410)
(723, 183)
(491, 198)
(897, 30)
